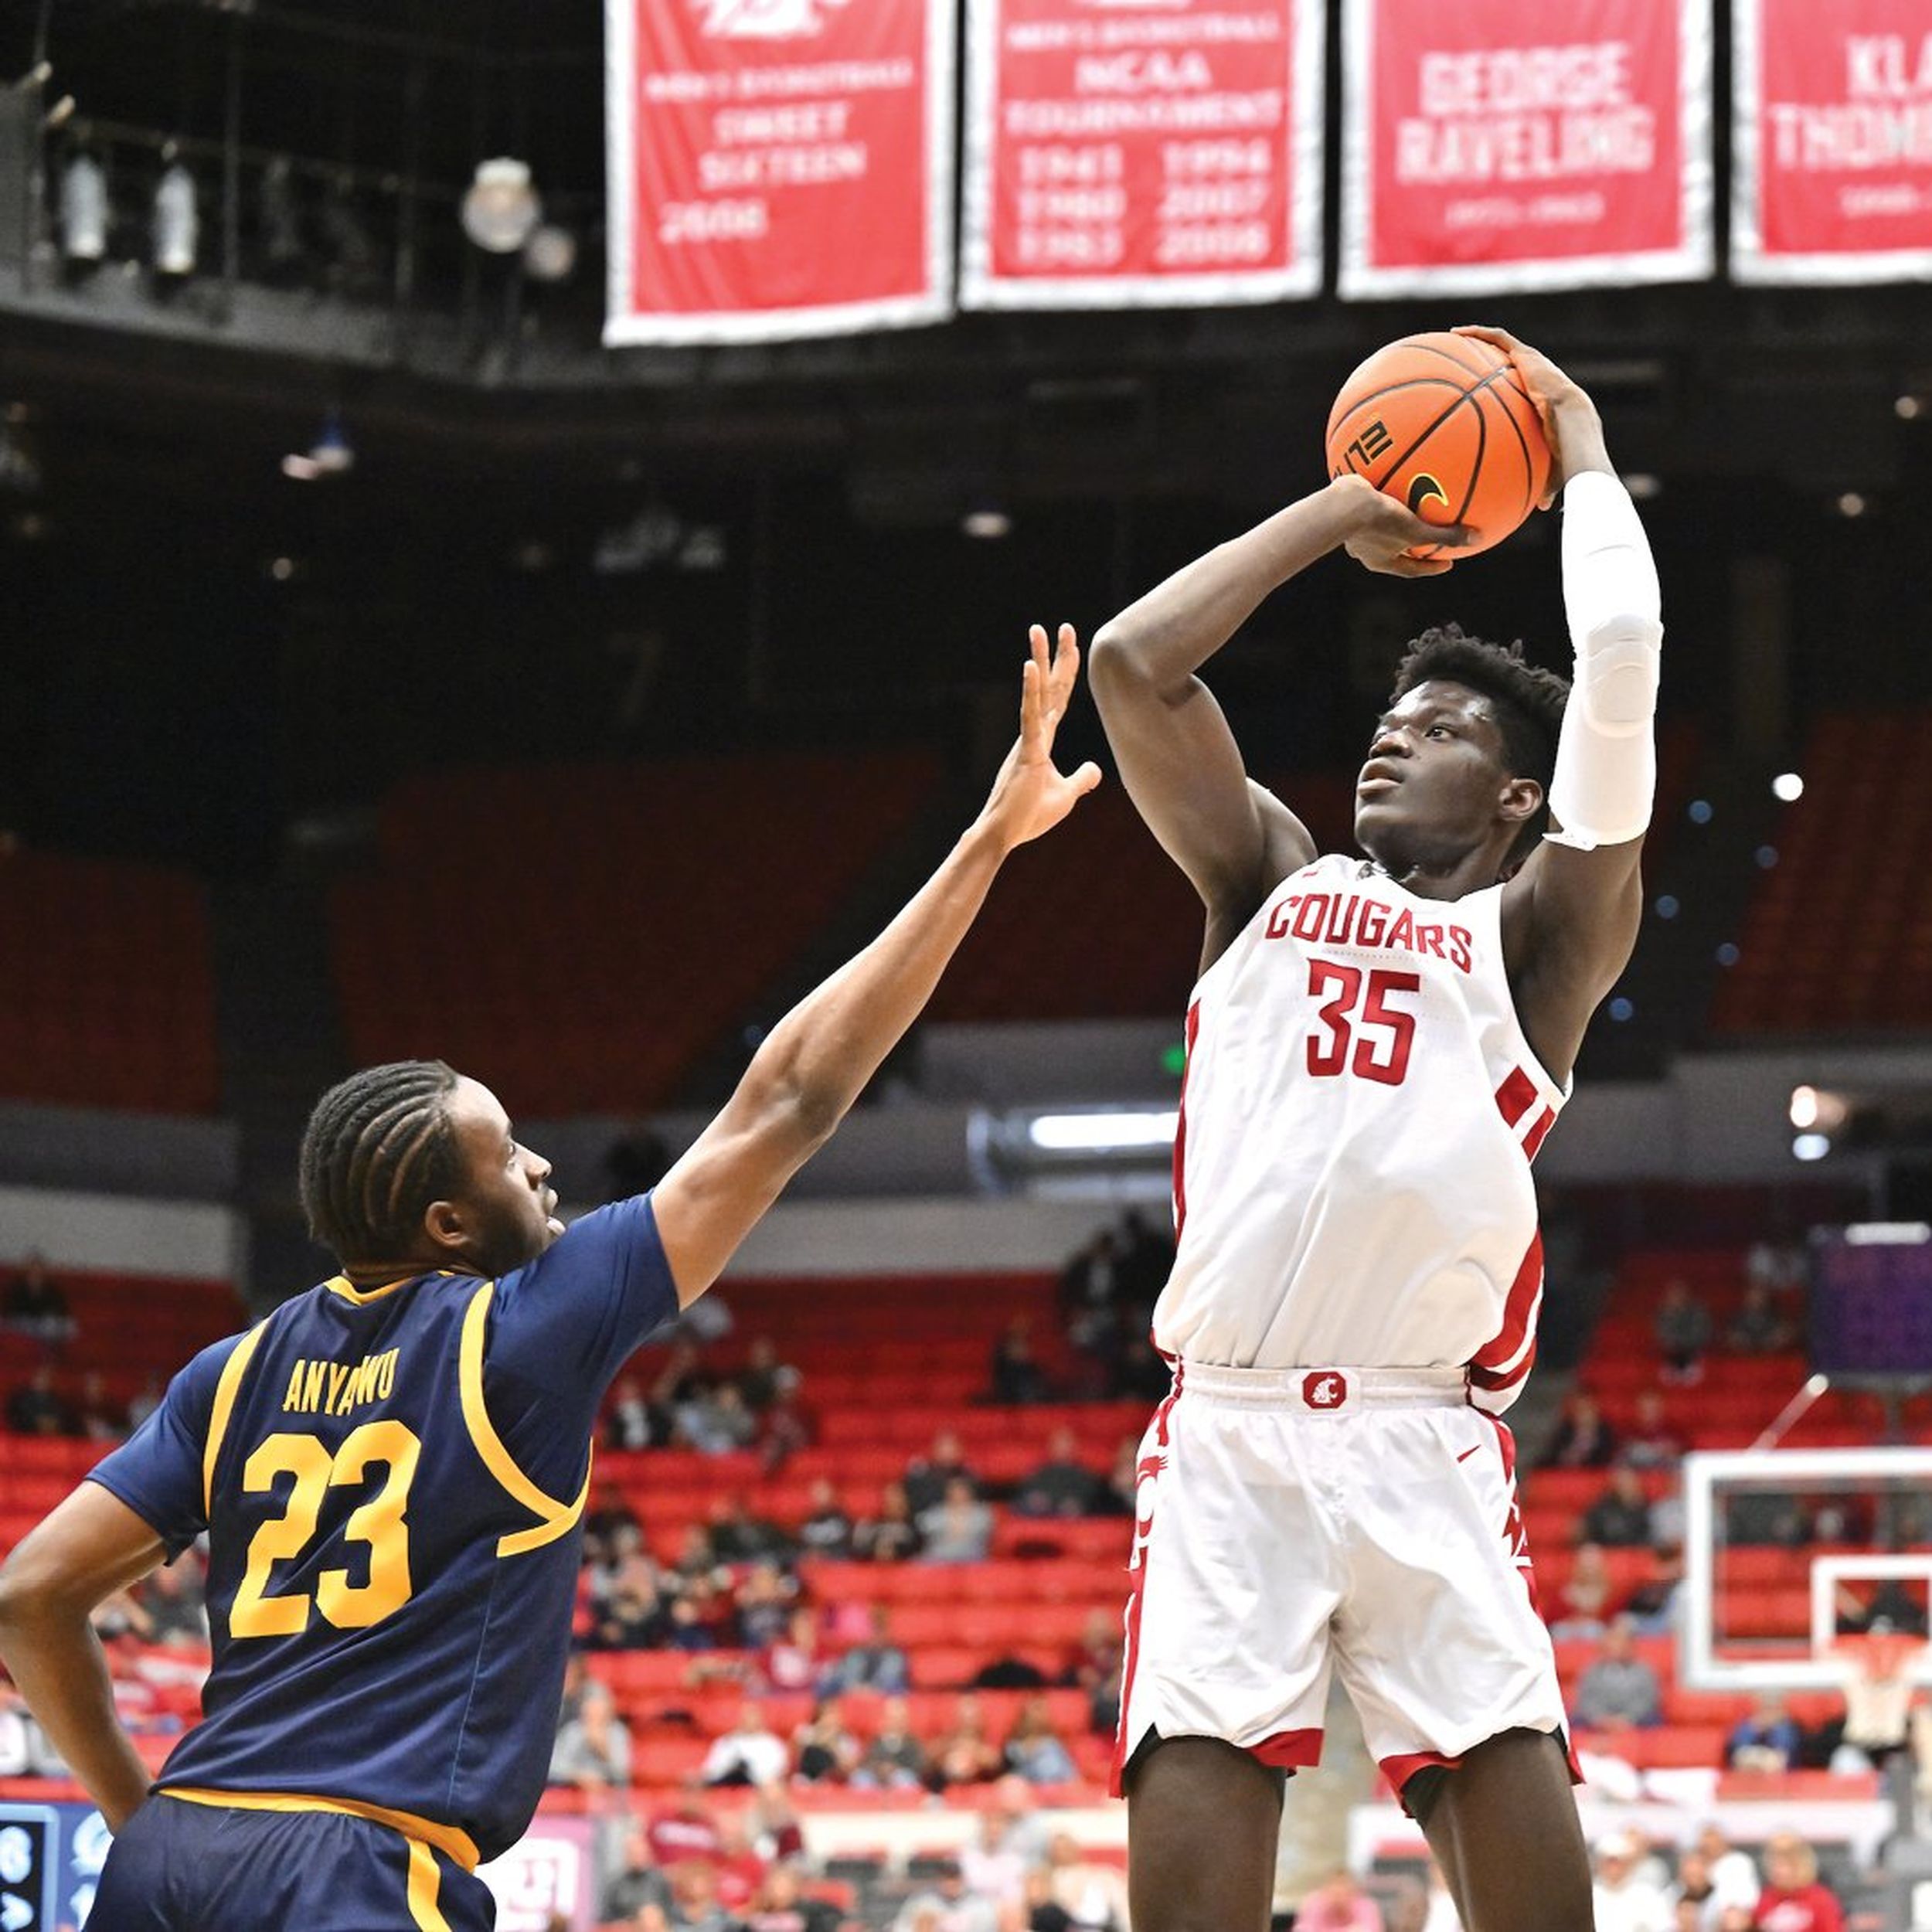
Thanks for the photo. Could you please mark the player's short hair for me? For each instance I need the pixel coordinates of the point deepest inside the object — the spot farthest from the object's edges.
(378, 1149)
(1528, 701)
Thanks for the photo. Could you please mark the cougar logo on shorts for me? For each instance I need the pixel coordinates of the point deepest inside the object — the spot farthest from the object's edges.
(1324, 1391)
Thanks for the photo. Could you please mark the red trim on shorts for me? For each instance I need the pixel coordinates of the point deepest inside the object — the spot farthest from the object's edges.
(1180, 1121)
(1516, 1096)
(1538, 1129)
(1515, 1534)
(1519, 1305)
(1288, 1751)
(1136, 1595)
(1399, 1769)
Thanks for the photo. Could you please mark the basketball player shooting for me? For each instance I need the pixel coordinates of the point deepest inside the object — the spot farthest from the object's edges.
(392, 1468)
(1376, 1047)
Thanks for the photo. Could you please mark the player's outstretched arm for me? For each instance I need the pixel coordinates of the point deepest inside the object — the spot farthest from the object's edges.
(816, 1061)
(1177, 757)
(92, 1544)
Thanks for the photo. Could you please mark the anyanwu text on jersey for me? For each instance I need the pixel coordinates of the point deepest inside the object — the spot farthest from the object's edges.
(1360, 1110)
(392, 1481)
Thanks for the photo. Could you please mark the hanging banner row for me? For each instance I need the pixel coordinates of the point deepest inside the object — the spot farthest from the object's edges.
(785, 167)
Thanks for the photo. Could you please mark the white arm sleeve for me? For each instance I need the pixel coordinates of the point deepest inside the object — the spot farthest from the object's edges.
(1606, 773)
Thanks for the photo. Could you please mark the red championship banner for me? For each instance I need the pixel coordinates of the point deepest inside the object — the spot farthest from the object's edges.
(1122, 153)
(1493, 145)
(1831, 140)
(778, 167)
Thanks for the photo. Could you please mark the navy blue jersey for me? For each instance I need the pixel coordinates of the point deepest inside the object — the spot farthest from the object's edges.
(393, 1482)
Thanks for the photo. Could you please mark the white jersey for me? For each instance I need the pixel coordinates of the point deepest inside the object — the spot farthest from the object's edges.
(1358, 1115)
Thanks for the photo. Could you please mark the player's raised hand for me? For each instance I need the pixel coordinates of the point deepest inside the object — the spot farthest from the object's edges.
(1032, 795)
(1382, 532)
(1570, 418)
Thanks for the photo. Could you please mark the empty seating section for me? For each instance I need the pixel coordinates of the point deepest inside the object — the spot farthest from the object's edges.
(580, 936)
(1838, 936)
(107, 987)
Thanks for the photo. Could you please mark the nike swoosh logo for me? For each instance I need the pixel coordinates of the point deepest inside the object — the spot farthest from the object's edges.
(1467, 1453)
(1422, 486)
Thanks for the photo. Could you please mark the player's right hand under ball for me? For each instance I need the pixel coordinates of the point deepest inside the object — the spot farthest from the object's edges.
(1380, 532)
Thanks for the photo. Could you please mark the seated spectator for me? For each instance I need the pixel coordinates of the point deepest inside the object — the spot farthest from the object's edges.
(965, 1754)
(948, 1905)
(36, 1304)
(764, 1601)
(1765, 1739)
(1759, 1326)
(1123, 1480)
(1651, 1442)
(823, 1750)
(1008, 1671)
(703, 1617)
(175, 1598)
(1617, 1690)
(1147, 1258)
(749, 1753)
(780, 1905)
(737, 1536)
(797, 1661)
(1733, 1878)
(877, 1665)
(696, 1903)
(763, 1377)
(1793, 1899)
(1093, 1896)
(1338, 1904)
(1620, 1517)
(1088, 1286)
(783, 1429)
(1584, 1439)
(894, 1758)
(714, 1419)
(696, 1557)
(1582, 1604)
(1651, 1605)
(147, 1400)
(1683, 1327)
(630, 1618)
(1034, 1748)
(828, 1531)
(36, 1408)
(1016, 1376)
(592, 1751)
(632, 1421)
(1140, 1373)
(1062, 1485)
(637, 1882)
(958, 1530)
(1624, 1898)
(892, 1535)
(926, 1476)
(97, 1416)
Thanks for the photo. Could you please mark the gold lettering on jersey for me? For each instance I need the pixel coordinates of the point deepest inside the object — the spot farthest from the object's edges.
(339, 1388)
(1350, 919)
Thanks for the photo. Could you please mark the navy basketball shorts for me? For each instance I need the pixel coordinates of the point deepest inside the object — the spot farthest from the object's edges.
(179, 1867)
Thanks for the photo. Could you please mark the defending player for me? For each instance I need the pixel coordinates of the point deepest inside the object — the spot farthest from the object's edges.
(392, 1468)
(1376, 1048)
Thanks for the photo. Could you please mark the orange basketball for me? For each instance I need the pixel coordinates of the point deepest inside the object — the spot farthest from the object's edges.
(1442, 423)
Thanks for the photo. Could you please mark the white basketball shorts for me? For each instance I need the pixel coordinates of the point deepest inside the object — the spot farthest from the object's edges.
(1293, 1522)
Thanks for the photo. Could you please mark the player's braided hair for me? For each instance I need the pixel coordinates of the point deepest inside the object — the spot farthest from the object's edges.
(1528, 702)
(379, 1147)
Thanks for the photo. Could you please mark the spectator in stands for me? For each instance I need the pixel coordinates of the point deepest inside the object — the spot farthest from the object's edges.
(1584, 1439)
(1624, 1900)
(737, 1536)
(1651, 1605)
(713, 1419)
(1650, 1442)
(749, 1753)
(1766, 1739)
(796, 1661)
(878, 1664)
(97, 1416)
(696, 1905)
(146, 1400)
(1147, 1257)
(1122, 1480)
(1617, 1690)
(36, 1304)
(1582, 1603)
(958, 1528)
(703, 1617)
(1016, 1375)
(784, 1428)
(1140, 1375)
(638, 1881)
(174, 1600)
(1793, 1899)
(1620, 1517)
(1682, 1327)
(946, 1905)
(765, 1599)
(926, 1476)
(827, 1531)
(1733, 1878)
(1759, 1326)
(633, 1421)
(696, 1557)
(630, 1618)
(1093, 1896)
(1062, 1485)
(593, 1752)
(892, 1535)
(687, 1831)
(764, 1376)
(965, 1754)
(1034, 1748)
(1094, 1667)
(1338, 1904)
(781, 1905)
(1879, 1693)
(37, 1408)
(1089, 1287)
(895, 1758)
(824, 1751)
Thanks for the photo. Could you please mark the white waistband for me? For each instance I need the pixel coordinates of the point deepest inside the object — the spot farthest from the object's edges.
(1325, 1391)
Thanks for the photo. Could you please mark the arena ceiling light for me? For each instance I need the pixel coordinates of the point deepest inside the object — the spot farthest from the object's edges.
(1115, 1132)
